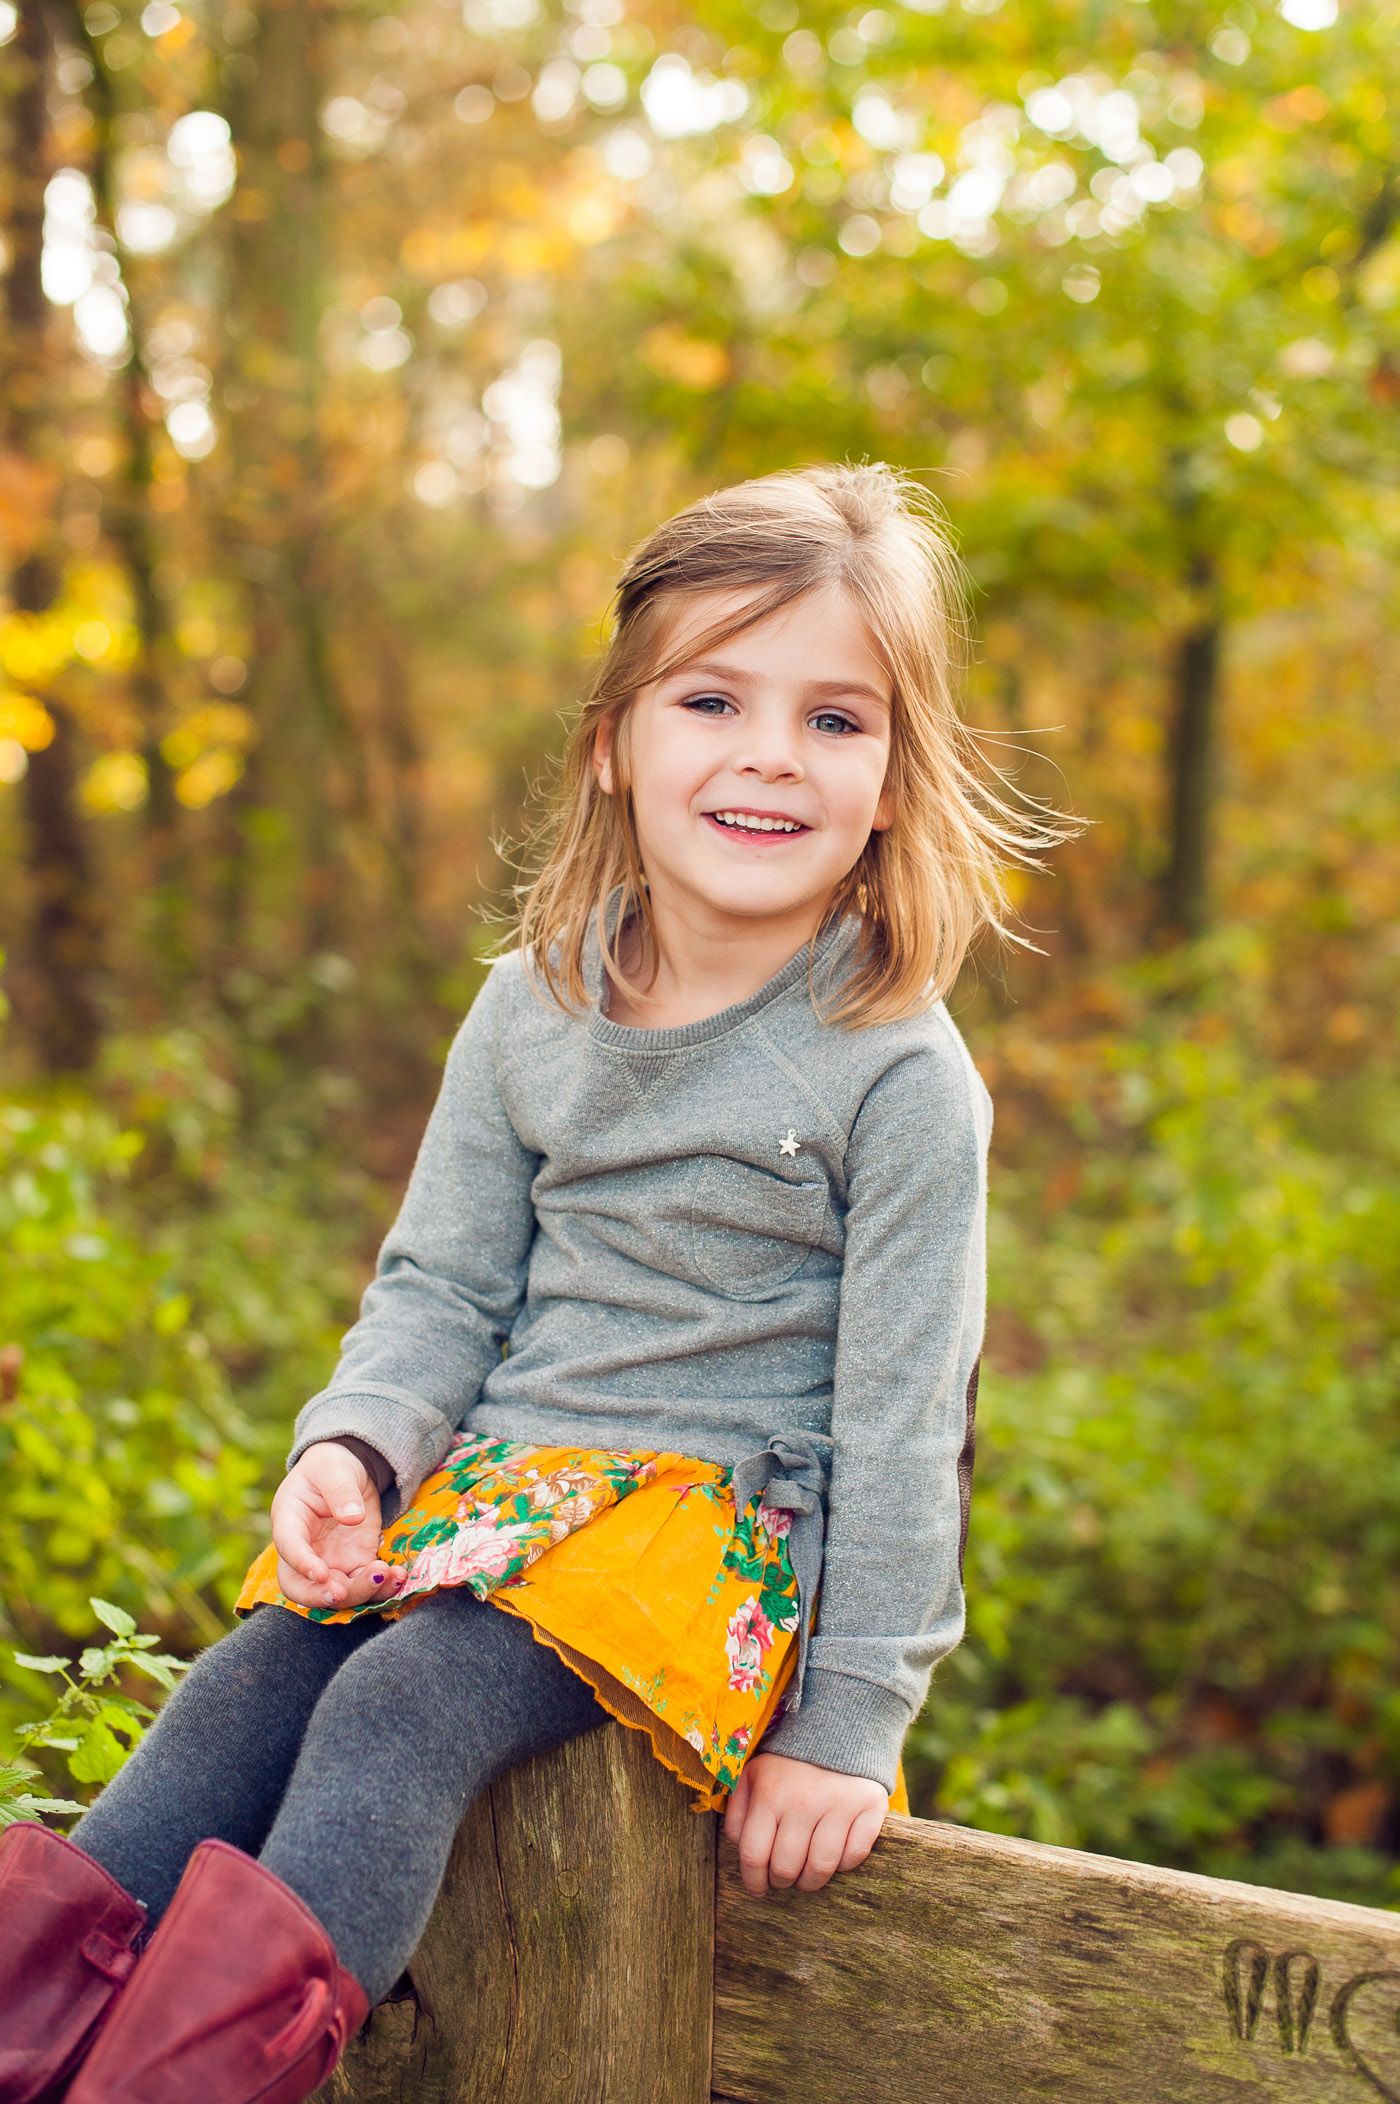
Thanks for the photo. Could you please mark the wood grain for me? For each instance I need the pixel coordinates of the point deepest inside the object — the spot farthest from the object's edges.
(593, 1942)
(570, 1954)
(956, 1967)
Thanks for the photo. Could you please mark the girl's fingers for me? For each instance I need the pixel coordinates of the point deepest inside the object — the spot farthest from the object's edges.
(788, 1854)
(755, 1847)
(376, 1580)
(737, 1806)
(826, 1852)
(291, 1534)
(297, 1588)
(865, 1832)
(351, 1570)
(342, 1588)
(293, 1545)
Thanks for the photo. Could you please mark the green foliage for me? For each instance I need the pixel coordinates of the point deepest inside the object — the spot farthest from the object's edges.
(94, 1726)
(1182, 1617)
(175, 1284)
(124, 1455)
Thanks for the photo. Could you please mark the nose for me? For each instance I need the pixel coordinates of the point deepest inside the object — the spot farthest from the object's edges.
(766, 748)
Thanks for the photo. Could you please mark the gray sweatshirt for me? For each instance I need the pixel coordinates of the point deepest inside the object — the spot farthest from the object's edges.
(758, 1239)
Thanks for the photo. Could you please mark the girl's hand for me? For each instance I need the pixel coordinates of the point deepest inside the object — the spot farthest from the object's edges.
(325, 1528)
(794, 1822)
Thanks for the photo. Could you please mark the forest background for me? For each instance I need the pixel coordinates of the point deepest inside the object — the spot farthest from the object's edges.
(347, 349)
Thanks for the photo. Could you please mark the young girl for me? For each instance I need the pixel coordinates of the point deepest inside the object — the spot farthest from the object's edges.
(660, 1403)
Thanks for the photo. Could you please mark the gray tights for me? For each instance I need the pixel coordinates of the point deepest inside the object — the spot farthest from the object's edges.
(344, 1756)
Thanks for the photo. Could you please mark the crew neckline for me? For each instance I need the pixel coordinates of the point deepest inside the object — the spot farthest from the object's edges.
(629, 1037)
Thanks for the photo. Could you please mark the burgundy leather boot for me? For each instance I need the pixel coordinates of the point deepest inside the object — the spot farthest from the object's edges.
(239, 1997)
(66, 1934)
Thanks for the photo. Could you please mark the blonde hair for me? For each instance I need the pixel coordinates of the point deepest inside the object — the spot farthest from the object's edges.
(925, 886)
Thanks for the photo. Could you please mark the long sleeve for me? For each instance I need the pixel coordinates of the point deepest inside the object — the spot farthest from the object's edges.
(449, 1280)
(909, 1337)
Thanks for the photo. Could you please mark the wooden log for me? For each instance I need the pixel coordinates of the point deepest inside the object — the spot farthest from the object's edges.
(569, 1958)
(957, 1967)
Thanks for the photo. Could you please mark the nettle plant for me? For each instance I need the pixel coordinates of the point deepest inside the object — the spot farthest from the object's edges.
(92, 1724)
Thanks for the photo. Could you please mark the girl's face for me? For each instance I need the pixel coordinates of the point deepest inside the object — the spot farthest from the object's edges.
(788, 722)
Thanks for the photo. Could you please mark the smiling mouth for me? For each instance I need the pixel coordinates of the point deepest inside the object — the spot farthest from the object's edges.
(763, 832)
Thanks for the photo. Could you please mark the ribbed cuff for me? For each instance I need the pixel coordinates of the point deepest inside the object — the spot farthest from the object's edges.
(854, 1726)
(409, 1437)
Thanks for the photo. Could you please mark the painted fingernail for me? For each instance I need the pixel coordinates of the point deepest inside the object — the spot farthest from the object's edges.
(378, 1578)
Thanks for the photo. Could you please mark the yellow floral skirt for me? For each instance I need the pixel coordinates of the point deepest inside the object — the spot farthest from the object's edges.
(634, 1567)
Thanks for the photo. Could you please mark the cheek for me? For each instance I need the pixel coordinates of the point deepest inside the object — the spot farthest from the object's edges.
(667, 780)
(855, 794)
(680, 767)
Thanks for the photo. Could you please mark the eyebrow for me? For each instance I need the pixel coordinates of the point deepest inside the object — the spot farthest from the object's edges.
(738, 677)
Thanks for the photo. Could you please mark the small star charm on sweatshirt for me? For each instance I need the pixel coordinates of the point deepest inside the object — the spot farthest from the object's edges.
(791, 1144)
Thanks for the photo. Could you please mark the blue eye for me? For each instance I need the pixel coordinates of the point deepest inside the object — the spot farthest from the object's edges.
(698, 703)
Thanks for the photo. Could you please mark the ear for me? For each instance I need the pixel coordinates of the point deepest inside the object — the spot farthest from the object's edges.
(602, 755)
(884, 812)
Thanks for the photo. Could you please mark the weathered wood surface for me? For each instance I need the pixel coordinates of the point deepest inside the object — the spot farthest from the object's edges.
(570, 1955)
(956, 1967)
(594, 1944)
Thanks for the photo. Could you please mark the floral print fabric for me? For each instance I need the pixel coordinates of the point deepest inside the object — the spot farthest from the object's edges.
(633, 1566)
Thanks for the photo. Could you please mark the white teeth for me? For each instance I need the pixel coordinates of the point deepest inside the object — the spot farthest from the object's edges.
(756, 825)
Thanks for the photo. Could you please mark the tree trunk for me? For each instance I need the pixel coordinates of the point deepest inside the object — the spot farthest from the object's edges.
(273, 528)
(168, 957)
(57, 1000)
(1191, 760)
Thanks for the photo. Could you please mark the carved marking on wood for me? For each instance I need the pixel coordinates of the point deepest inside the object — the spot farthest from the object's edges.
(1297, 1977)
(1295, 2015)
(1243, 1996)
(1346, 2046)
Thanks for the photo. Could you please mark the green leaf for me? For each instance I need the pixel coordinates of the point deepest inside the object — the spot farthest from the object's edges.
(158, 1669)
(99, 1756)
(124, 1715)
(115, 1618)
(18, 1809)
(40, 1665)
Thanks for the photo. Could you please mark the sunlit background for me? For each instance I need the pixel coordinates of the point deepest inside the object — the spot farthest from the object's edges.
(346, 352)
